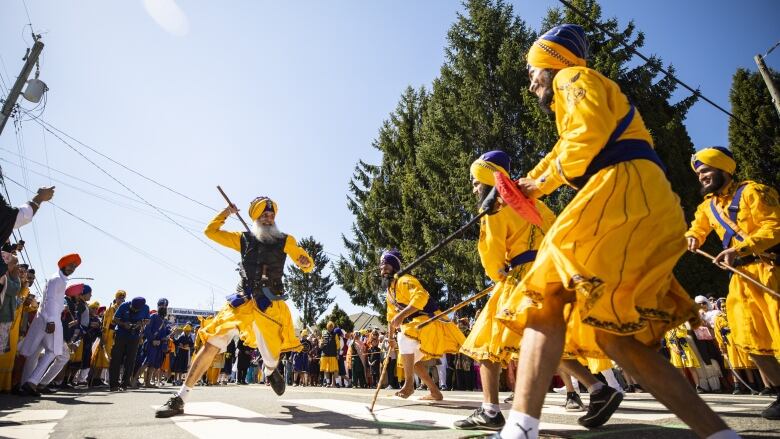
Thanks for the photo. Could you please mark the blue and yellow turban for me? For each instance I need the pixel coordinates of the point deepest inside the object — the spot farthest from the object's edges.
(483, 168)
(715, 156)
(260, 205)
(391, 258)
(560, 47)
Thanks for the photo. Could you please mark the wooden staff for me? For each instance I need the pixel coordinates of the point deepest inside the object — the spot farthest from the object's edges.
(739, 273)
(454, 308)
(230, 203)
(381, 378)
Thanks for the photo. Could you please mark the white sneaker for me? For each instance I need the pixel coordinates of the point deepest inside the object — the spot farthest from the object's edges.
(389, 388)
(561, 390)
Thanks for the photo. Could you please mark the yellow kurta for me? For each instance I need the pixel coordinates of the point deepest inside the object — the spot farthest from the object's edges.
(331, 363)
(7, 358)
(102, 355)
(275, 323)
(753, 314)
(502, 236)
(682, 354)
(738, 358)
(437, 338)
(618, 240)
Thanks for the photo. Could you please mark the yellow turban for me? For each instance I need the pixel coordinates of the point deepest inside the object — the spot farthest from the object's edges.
(483, 168)
(260, 205)
(560, 47)
(304, 333)
(717, 157)
(120, 293)
(187, 328)
(94, 305)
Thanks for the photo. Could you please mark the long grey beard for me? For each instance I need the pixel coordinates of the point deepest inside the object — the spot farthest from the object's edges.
(266, 234)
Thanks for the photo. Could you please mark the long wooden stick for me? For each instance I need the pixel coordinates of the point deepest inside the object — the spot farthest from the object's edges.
(739, 273)
(381, 378)
(230, 203)
(454, 308)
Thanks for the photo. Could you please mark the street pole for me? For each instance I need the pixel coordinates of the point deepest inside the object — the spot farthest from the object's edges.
(13, 95)
(773, 91)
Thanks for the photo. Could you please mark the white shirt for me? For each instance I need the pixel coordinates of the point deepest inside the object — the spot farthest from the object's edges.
(24, 216)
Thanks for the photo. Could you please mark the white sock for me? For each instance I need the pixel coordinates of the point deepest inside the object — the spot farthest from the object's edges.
(268, 371)
(596, 387)
(609, 375)
(576, 384)
(491, 409)
(724, 434)
(520, 426)
(184, 392)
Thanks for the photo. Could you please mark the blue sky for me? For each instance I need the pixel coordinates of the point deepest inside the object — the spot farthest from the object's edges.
(263, 98)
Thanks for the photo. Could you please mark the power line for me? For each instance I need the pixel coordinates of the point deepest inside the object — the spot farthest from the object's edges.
(136, 194)
(136, 249)
(50, 127)
(46, 156)
(658, 67)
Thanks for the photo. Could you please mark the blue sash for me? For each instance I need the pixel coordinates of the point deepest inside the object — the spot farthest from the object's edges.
(523, 258)
(615, 152)
(733, 209)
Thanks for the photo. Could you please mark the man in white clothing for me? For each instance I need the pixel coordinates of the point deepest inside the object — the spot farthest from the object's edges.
(46, 331)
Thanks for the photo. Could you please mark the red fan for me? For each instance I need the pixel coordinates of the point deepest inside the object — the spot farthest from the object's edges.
(511, 194)
(74, 290)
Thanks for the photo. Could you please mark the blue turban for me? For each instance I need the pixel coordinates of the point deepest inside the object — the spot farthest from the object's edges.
(162, 302)
(493, 161)
(392, 258)
(138, 302)
(560, 47)
(86, 290)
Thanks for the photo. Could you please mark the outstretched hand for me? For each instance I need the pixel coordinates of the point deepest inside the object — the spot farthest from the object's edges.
(529, 188)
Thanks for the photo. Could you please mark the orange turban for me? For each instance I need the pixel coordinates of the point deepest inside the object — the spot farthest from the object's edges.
(72, 258)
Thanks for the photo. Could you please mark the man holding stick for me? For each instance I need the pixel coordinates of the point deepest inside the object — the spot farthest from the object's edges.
(610, 253)
(507, 243)
(257, 313)
(409, 304)
(746, 217)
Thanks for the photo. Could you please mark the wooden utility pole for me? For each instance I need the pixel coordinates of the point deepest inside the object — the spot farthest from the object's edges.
(13, 95)
(773, 91)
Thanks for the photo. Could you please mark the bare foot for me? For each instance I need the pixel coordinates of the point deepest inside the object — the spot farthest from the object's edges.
(404, 393)
(433, 397)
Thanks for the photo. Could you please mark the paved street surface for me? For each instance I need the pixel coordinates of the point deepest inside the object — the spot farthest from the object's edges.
(234, 412)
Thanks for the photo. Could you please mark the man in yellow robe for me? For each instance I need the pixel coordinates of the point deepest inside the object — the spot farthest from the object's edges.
(746, 217)
(408, 305)
(102, 355)
(610, 252)
(257, 313)
(507, 244)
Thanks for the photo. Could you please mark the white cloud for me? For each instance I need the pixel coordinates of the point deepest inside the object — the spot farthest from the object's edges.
(168, 15)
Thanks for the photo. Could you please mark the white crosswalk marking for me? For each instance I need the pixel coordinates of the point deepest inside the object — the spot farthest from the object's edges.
(29, 424)
(216, 419)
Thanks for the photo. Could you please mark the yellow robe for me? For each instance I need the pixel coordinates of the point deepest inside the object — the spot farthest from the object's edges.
(502, 236)
(275, 323)
(753, 314)
(331, 363)
(438, 337)
(682, 354)
(102, 355)
(7, 358)
(739, 359)
(617, 241)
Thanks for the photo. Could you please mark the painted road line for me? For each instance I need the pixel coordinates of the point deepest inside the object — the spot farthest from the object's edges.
(209, 420)
(403, 415)
(29, 424)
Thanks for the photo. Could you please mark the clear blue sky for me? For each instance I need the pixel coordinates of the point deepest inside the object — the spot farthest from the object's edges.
(272, 98)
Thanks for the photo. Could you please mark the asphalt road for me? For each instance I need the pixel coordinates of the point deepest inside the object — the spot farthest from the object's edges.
(240, 411)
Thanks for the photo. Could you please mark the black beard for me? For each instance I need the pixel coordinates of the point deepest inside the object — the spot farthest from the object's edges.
(718, 181)
(482, 193)
(162, 312)
(545, 102)
(386, 282)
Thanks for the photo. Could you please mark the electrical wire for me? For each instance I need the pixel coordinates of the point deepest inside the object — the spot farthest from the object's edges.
(46, 156)
(658, 67)
(201, 240)
(165, 264)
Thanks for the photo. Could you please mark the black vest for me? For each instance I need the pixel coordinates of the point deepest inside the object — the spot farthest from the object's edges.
(329, 345)
(258, 259)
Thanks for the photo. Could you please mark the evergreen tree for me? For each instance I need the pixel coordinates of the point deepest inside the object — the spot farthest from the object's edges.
(309, 291)
(756, 147)
(340, 318)
(421, 191)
